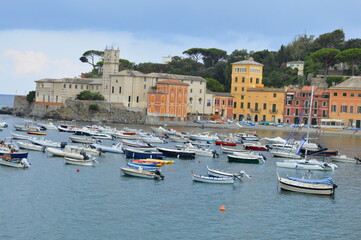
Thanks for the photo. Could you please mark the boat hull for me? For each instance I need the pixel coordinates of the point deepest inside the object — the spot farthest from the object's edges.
(71, 161)
(232, 158)
(139, 173)
(142, 154)
(216, 180)
(294, 186)
(177, 154)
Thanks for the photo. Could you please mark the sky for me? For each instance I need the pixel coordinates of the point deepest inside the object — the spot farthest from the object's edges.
(45, 38)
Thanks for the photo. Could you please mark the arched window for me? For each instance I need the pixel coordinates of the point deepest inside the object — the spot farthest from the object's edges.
(151, 109)
(163, 99)
(190, 100)
(200, 100)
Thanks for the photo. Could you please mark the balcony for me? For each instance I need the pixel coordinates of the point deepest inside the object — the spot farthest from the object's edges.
(255, 110)
(273, 111)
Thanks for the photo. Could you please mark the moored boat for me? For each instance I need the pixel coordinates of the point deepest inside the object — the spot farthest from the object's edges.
(255, 147)
(115, 148)
(217, 173)
(69, 152)
(218, 180)
(78, 162)
(226, 143)
(139, 153)
(82, 139)
(183, 154)
(9, 161)
(142, 174)
(307, 164)
(19, 136)
(246, 158)
(30, 146)
(344, 158)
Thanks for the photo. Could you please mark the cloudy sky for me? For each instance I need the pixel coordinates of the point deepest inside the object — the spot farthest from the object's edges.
(45, 38)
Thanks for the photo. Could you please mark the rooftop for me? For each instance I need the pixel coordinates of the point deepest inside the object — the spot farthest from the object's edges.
(71, 80)
(353, 83)
(250, 61)
(265, 90)
(173, 82)
(175, 76)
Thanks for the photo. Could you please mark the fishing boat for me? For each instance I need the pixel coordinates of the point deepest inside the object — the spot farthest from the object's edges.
(255, 147)
(69, 152)
(344, 158)
(37, 133)
(232, 150)
(204, 137)
(136, 144)
(86, 148)
(19, 136)
(183, 154)
(157, 175)
(285, 154)
(217, 173)
(246, 158)
(27, 127)
(78, 162)
(226, 142)
(276, 140)
(218, 180)
(82, 139)
(115, 148)
(324, 186)
(42, 141)
(30, 146)
(145, 168)
(307, 164)
(9, 161)
(139, 153)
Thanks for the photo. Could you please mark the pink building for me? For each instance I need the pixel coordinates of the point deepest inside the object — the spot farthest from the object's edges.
(297, 105)
(223, 105)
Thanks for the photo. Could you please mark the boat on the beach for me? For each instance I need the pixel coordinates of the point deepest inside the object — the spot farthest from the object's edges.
(324, 186)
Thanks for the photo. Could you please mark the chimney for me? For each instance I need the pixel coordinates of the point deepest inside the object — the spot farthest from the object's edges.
(250, 58)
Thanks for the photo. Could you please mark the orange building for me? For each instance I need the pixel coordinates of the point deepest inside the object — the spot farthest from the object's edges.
(169, 99)
(223, 105)
(345, 102)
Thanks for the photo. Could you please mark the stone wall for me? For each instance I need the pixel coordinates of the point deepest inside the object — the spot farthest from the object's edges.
(21, 106)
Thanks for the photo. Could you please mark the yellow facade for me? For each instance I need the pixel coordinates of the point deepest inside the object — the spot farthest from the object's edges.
(252, 101)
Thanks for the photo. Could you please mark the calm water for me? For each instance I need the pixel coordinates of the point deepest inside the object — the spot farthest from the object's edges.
(54, 201)
(6, 100)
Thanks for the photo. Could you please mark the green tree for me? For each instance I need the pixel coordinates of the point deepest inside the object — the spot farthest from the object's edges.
(335, 39)
(92, 57)
(151, 67)
(214, 85)
(327, 56)
(125, 65)
(299, 47)
(353, 43)
(352, 55)
(212, 56)
(195, 54)
(184, 66)
(30, 97)
(88, 95)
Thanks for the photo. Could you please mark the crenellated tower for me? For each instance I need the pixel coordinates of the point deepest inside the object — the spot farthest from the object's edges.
(110, 66)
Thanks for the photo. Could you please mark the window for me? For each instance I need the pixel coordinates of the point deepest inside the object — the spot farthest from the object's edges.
(242, 89)
(256, 106)
(327, 96)
(358, 109)
(242, 105)
(81, 86)
(254, 70)
(289, 102)
(257, 80)
(200, 100)
(333, 108)
(250, 80)
(297, 103)
(240, 69)
(275, 95)
(190, 100)
(351, 109)
(344, 109)
(145, 79)
(236, 79)
(344, 94)
(249, 105)
(274, 110)
(76, 86)
(288, 112)
(243, 79)
(264, 106)
(323, 113)
(235, 89)
(315, 112)
(223, 102)
(242, 97)
(69, 85)
(129, 98)
(209, 103)
(137, 99)
(64, 85)
(112, 89)
(306, 103)
(296, 112)
(235, 104)
(324, 104)
(191, 90)
(352, 94)
(335, 94)
(359, 95)
(316, 104)
(120, 89)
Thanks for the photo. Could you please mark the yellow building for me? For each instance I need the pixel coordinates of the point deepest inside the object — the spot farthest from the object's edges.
(297, 64)
(345, 102)
(252, 101)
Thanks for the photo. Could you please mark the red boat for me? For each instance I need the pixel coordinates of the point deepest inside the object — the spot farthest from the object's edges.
(226, 143)
(255, 147)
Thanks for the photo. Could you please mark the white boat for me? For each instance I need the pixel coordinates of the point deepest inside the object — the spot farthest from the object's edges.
(47, 143)
(19, 136)
(151, 139)
(217, 173)
(283, 146)
(198, 150)
(48, 125)
(11, 162)
(204, 137)
(246, 157)
(344, 158)
(68, 152)
(142, 174)
(276, 140)
(307, 164)
(232, 150)
(30, 146)
(159, 130)
(311, 186)
(104, 136)
(115, 148)
(78, 162)
(285, 154)
(82, 139)
(27, 127)
(86, 148)
(218, 180)
(176, 138)
(3, 125)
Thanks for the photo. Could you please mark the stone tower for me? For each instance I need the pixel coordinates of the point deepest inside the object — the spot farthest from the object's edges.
(110, 66)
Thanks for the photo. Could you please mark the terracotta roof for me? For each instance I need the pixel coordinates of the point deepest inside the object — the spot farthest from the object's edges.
(353, 83)
(249, 61)
(309, 89)
(173, 82)
(176, 76)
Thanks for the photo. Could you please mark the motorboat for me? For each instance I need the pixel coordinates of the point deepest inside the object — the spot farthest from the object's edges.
(276, 140)
(217, 173)
(204, 137)
(255, 147)
(226, 142)
(19, 136)
(49, 125)
(232, 150)
(27, 128)
(47, 143)
(145, 168)
(207, 179)
(67, 128)
(12, 150)
(285, 154)
(78, 162)
(324, 186)
(115, 148)
(9, 161)
(141, 154)
(344, 158)
(307, 164)
(86, 148)
(125, 135)
(246, 158)
(248, 136)
(136, 144)
(104, 136)
(69, 152)
(183, 154)
(30, 146)
(3, 125)
(198, 150)
(142, 173)
(176, 138)
(82, 139)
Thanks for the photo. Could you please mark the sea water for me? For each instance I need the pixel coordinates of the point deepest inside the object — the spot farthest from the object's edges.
(52, 200)
(6, 100)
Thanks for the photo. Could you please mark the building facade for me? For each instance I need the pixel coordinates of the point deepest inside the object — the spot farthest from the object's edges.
(222, 105)
(297, 64)
(345, 102)
(297, 105)
(169, 99)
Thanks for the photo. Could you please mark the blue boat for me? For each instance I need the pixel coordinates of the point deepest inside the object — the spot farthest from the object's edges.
(140, 154)
(15, 155)
(145, 168)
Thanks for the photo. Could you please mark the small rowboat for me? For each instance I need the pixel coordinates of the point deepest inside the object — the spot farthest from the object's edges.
(73, 161)
(145, 168)
(205, 179)
(37, 133)
(255, 147)
(145, 163)
(226, 143)
(142, 174)
(157, 160)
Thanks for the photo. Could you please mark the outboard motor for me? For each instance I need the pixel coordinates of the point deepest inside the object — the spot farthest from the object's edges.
(159, 174)
(63, 144)
(263, 156)
(84, 154)
(215, 154)
(25, 162)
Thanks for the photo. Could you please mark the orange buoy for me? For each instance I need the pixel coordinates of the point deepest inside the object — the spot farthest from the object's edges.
(222, 208)
(78, 170)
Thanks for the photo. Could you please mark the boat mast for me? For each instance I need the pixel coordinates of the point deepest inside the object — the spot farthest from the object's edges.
(309, 114)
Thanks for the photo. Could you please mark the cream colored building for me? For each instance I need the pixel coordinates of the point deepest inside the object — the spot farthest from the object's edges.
(297, 64)
(127, 87)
